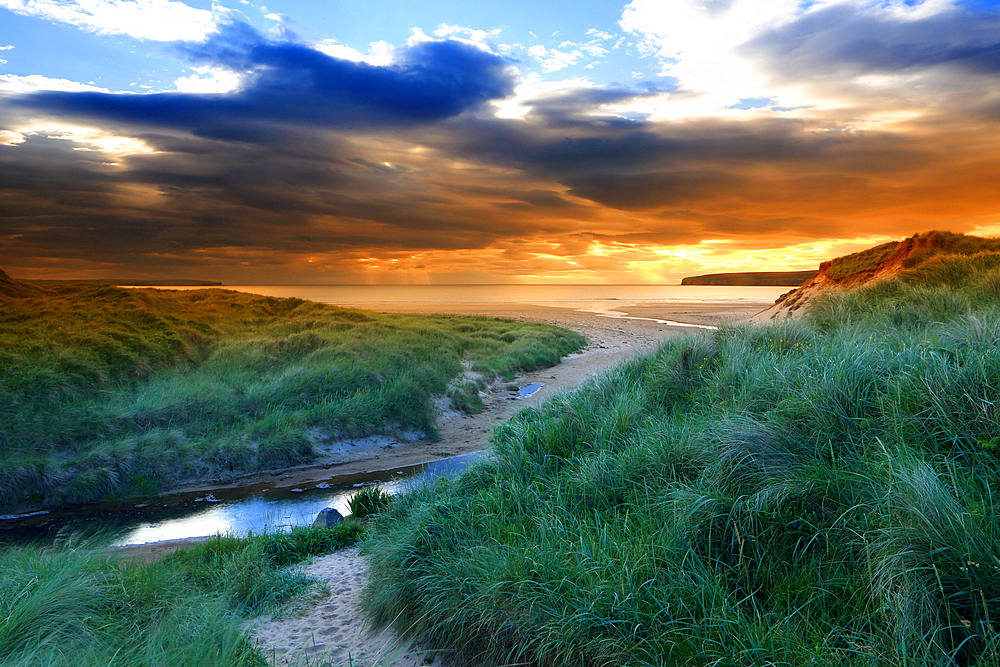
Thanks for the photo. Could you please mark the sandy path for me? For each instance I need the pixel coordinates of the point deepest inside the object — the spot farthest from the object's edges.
(331, 630)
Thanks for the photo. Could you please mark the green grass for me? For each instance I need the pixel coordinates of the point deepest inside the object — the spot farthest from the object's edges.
(369, 502)
(808, 492)
(922, 248)
(107, 392)
(78, 606)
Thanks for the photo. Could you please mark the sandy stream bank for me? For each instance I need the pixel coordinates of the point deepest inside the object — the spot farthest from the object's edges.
(329, 630)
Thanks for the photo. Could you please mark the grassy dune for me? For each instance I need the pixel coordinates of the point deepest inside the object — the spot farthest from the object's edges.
(75, 606)
(107, 392)
(915, 251)
(815, 491)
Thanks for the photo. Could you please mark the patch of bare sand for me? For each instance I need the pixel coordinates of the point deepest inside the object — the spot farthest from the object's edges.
(332, 631)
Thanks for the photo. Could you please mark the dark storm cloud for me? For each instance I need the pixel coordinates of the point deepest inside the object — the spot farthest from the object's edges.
(319, 155)
(642, 191)
(840, 38)
(675, 164)
(575, 107)
(292, 83)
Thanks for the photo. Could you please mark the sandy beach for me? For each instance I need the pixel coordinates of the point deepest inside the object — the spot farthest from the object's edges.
(330, 630)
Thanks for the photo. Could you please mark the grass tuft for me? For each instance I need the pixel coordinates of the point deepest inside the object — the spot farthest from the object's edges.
(80, 605)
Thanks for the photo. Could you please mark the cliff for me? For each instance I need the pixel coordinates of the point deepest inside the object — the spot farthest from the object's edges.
(874, 264)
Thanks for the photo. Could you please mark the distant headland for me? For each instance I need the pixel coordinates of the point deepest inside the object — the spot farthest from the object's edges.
(753, 279)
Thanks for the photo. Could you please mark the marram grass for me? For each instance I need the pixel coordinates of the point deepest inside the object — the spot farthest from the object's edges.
(805, 493)
(106, 392)
(78, 606)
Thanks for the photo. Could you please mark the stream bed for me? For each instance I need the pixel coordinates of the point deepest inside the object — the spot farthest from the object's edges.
(237, 511)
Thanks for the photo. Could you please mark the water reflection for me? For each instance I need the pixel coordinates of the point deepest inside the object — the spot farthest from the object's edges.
(254, 514)
(234, 511)
(530, 389)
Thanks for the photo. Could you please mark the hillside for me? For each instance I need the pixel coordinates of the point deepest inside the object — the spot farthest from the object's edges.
(752, 279)
(908, 257)
(129, 282)
(15, 289)
(109, 392)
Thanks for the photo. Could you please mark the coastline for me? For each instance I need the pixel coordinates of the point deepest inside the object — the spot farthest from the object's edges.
(332, 629)
(612, 339)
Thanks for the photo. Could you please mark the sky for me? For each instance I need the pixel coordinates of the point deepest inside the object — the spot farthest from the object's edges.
(432, 142)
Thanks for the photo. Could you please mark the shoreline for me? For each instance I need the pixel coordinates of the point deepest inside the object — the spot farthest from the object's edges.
(613, 336)
(333, 628)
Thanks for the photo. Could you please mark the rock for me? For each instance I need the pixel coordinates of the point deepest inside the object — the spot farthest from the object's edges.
(328, 518)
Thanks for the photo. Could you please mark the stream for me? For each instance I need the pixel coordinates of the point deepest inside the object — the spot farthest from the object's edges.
(238, 511)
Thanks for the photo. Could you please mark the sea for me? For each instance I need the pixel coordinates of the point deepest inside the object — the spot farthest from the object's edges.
(592, 298)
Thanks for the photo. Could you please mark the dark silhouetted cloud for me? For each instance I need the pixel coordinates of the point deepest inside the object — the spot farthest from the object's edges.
(839, 37)
(292, 83)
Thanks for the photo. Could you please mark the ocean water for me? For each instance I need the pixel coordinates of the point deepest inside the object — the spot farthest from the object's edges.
(578, 297)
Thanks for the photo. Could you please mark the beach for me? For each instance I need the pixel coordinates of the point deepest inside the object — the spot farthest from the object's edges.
(330, 629)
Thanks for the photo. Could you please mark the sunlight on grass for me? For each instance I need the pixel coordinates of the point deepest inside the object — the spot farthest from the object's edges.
(106, 392)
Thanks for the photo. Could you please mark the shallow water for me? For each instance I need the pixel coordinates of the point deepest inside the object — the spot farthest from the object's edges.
(259, 508)
(530, 389)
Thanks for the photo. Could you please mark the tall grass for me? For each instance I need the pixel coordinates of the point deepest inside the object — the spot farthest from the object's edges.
(807, 492)
(107, 392)
(76, 605)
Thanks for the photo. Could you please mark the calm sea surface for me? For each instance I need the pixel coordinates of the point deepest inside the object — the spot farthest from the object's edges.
(589, 297)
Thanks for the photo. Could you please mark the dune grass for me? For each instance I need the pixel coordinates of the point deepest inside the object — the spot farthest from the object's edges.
(78, 606)
(935, 244)
(107, 392)
(809, 492)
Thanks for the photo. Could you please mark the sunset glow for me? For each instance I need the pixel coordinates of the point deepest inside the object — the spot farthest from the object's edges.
(601, 142)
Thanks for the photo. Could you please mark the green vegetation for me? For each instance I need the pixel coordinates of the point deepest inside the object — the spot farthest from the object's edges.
(912, 252)
(815, 491)
(108, 392)
(369, 501)
(78, 606)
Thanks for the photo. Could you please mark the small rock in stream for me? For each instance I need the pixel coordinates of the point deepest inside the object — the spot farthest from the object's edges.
(328, 517)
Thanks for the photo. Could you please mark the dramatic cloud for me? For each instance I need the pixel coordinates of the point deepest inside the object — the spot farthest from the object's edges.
(838, 40)
(287, 82)
(777, 128)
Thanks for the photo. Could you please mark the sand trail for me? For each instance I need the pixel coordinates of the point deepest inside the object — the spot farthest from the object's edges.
(330, 630)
